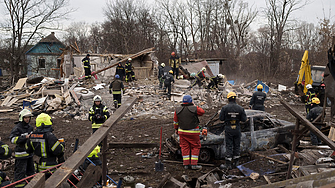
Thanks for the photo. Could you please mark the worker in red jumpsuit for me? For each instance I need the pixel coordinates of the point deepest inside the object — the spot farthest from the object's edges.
(186, 124)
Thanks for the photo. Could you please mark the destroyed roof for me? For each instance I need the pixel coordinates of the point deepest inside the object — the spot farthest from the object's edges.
(47, 45)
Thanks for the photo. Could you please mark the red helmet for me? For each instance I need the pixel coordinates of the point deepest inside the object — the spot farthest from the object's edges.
(173, 53)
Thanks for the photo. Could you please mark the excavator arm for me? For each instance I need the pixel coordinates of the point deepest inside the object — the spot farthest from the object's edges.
(304, 73)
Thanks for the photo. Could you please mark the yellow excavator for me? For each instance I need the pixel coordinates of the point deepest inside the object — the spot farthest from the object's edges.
(308, 74)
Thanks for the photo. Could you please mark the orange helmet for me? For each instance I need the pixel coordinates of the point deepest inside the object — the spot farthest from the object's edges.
(173, 53)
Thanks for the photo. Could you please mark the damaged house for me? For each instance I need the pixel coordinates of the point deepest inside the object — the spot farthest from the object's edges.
(43, 59)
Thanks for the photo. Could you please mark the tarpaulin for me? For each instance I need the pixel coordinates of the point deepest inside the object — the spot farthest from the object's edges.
(265, 87)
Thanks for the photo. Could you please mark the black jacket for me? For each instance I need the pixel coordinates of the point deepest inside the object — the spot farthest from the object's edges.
(187, 116)
(120, 71)
(168, 78)
(5, 151)
(314, 112)
(86, 62)
(232, 114)
(160, 72)
(257, 100)
(45, 144)
(18, 137)
(128, 66)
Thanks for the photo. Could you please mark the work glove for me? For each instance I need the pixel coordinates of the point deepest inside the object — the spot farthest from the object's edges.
(98, 116)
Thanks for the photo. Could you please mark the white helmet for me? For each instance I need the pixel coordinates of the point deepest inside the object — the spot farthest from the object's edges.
(203, 69)
(309, 86)
(97, 98)
(163, 65)
(129, 59)
(25, 113)
(220, 75)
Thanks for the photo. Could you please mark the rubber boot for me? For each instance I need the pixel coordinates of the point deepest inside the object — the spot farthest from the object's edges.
(196, 167)
(236, 162)
(226, 166)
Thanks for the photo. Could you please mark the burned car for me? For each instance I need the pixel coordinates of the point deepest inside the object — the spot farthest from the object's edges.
(260, 131)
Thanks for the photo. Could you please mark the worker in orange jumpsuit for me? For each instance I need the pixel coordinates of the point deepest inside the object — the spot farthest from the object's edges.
(186, 124)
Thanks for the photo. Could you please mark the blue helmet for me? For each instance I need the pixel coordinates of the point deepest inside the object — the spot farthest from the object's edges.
(117, 76)
(187, 99)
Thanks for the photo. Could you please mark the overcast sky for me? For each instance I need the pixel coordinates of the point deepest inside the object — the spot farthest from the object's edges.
(92, 11)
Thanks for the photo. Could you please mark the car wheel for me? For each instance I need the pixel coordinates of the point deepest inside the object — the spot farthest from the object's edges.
(204, 155)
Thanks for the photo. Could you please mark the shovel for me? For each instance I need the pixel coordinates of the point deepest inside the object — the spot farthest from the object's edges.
(159, 166)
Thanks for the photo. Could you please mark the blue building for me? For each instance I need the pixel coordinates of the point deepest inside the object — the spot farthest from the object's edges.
(44, 59)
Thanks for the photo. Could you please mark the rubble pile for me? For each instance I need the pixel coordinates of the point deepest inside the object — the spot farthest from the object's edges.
(73, 98)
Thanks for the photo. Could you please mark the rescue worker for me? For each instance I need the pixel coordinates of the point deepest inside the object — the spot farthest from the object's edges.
(5, 153)
(257, 99)
(168, 79)
(130, 75)
(199, 77)
(98, 113)
(44, 144)
(174, 63)
(232, 114)
(24, 164)
(309, 95)
(87, 66)
(94, 157)
(160, 75)
(120, 71)
(214, 81)
(321, 94)
(314, 112)
(117, 86)
(186, 124)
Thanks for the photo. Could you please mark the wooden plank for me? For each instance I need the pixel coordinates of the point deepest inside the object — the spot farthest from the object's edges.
(180, 184)
(267, 179)
(125, 59)
(90, 177)
(12, 102)
(5, 102)
(164, 180)
(74, 95)
(67, 97)
(79, 156)
(308, 124)
(131, 145)
(6, 110)
(20, 84)
(37, 182)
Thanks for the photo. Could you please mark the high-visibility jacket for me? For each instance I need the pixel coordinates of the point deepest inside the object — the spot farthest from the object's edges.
(175, 61)
(128, 66)
(186, 119)
(5, 151)
(309, 95)
(45, 145)
(18, 137)
(95, 152)
(117, 86)
(86, 63)
(98, 111)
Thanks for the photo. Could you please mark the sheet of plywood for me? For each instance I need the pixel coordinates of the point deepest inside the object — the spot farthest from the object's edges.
(20, 84)
(5, 102)
(12, 102)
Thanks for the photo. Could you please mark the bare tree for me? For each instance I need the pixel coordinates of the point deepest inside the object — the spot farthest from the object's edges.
(278, 13)
(26, 19)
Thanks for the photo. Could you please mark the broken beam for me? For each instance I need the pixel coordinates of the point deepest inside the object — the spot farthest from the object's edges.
(131, 145)
(124, 60)
(309, 125)
(76, 159)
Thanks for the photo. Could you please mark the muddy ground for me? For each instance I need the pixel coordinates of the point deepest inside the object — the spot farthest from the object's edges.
(123, 162)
